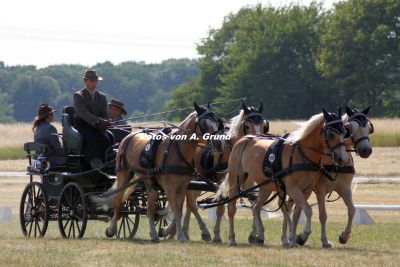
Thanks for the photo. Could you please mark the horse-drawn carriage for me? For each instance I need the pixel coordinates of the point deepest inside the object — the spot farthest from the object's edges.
(72, 194)
(64, 193)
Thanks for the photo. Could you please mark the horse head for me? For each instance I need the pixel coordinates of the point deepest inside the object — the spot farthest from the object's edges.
(358, 128)
(253, 121)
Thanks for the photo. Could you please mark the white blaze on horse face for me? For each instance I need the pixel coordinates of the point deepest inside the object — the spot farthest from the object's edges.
(258, 128)
(359, 132)
(345, 157)
(213, 125)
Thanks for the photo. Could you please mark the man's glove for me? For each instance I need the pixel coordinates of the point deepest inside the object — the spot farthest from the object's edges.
(102, 124)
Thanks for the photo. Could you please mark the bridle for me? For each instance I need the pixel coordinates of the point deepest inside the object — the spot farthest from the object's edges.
(334, 125)
(362, 120)
(256, 119)
(208, 114)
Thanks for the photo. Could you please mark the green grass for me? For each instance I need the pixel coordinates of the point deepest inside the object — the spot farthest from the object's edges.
(12, 153)
(371, 245)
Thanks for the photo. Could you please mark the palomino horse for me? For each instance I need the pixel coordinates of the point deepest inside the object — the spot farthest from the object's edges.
(359, 128)
(249, 121)
(173, 167)
(297, 171)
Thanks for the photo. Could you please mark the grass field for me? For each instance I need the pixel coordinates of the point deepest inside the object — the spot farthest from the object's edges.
(370, 245)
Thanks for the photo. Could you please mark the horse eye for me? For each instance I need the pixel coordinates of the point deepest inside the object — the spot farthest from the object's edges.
(330, 134)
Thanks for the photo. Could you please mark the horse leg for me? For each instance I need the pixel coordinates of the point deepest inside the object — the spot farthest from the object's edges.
(176, 197)
(152, 196)
(263, 196)
(217, 226)
(301, 203)
(231, 215)
(191, 204)
(122, 179)
(286, 208)
(253, 233)
(188, 212)
(302, 238)
(320, 192)
(347, 197)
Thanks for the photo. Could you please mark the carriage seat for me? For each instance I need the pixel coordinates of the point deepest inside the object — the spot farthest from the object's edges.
(73, 140)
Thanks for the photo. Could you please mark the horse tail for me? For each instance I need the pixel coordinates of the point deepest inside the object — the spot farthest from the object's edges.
(104, 203)
(223, 189)
(235, 170)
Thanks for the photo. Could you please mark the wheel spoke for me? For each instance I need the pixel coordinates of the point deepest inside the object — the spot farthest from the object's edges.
(33, 195)
(66, 224)
(120, 228)
(35, 226)
(128, 224)
(77, 202)
(70, 228)
(79, 228)
(73, 228)
(30, 228)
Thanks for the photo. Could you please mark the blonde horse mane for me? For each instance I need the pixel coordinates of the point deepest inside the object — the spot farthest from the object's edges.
(306, 128)
(236, 124)
(185, 123)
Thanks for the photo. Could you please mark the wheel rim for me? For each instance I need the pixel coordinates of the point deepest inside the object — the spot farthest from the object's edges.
(34, 211)
(72, 215)
(129, 220)
(161, 204)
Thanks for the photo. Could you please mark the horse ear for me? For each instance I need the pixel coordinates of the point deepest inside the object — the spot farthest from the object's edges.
(365, 111)
(244, 107)
(349, 111)
(197, 108)
(208, 105)
(340, 112)
(327, 116)
(260, 107)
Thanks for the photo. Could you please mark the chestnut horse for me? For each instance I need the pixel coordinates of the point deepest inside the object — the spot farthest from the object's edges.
(359, 128)
(249, 121)
(301, 155)
(173, 167)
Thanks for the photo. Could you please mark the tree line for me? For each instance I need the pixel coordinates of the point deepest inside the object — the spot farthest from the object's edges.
(295, 59)
(143, 88)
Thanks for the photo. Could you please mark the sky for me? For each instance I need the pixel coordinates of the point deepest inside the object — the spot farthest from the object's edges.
(48, 32)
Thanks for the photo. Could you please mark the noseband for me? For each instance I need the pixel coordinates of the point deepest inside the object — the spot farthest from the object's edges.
(362, 120)
(255, 118)
(337, 127)
(205, 115)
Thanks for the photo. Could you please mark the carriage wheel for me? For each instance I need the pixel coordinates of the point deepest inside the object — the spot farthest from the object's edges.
(163, 212)
(34, 210)
(129, 222)
(72, 214)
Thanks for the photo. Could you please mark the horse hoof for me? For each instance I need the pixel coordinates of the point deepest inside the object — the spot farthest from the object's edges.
(109, 232)
(251, 239)
(183, 240)
(217, 240)
(288, 244)
(156, 240)
(300, 241)
(259, 242)
(326, 245)
(161, 233)
(342, 240)
(206, 237)
(232, 244)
